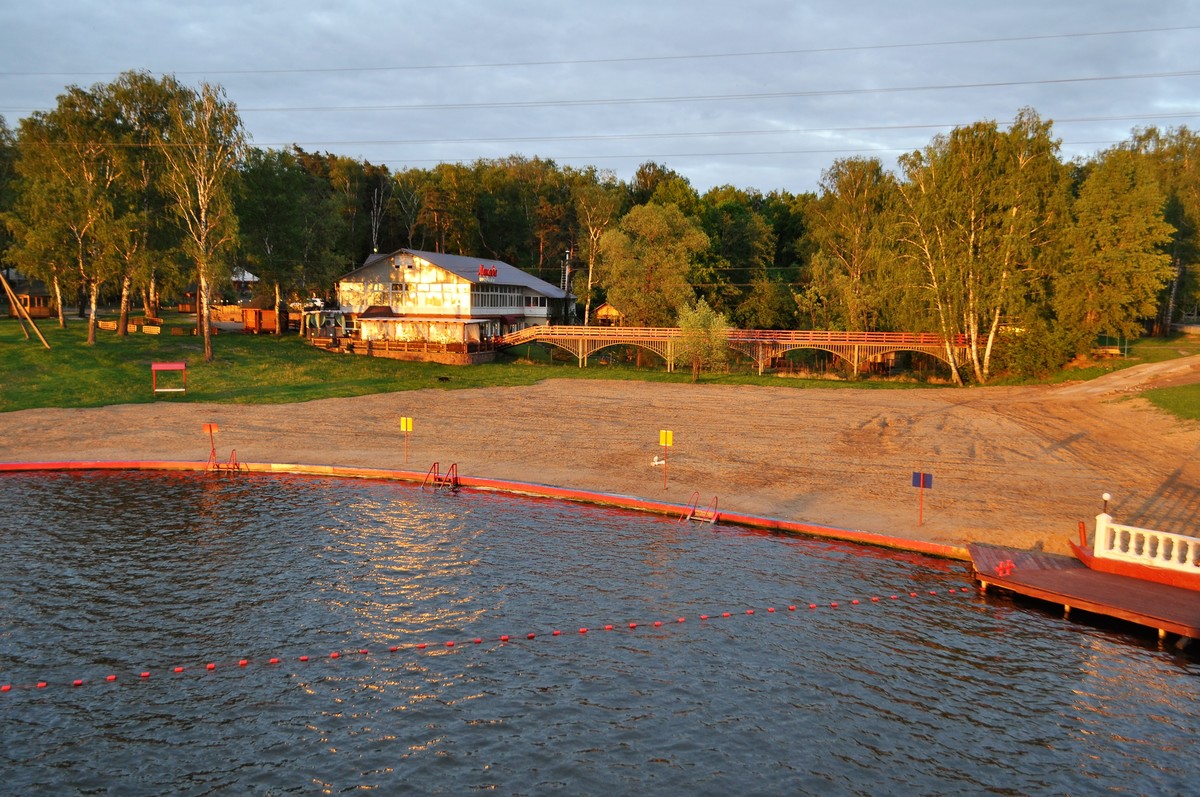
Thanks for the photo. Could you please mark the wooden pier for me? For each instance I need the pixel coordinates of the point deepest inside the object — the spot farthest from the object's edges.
(1065, 581)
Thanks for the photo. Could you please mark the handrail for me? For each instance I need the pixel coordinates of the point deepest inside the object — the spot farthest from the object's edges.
(432, 472)
(1161, 549)
(741, 335)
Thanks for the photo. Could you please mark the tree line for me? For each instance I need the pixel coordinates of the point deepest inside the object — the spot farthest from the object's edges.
(145, 188)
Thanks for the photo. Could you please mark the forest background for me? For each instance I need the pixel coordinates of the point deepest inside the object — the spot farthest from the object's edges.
(137, 190)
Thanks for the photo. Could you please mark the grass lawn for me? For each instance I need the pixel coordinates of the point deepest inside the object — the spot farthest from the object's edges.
(264, 369)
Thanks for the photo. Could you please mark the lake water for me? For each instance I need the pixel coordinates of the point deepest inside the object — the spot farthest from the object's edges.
(947, 693)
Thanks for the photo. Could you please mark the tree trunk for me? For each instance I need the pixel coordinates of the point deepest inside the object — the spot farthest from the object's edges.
(279, 312)
(123, 323)
(93, 297)
(203, 315)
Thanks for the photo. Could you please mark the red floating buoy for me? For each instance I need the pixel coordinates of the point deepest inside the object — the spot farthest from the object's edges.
(6, 688)
(833, 604)
(874, 600)
(770, 609)
(530, 636)
(111, 678)
(679, 619)
(178, 669)
(420, 646)
(243, 663)
(583, 630)
(273, 661)
(608, 628)
(895, 598)
(42, 684)
(556, 632)
(854, 602)
(791, 608)
(210, 666)
(393, 648)
(304, 658)
(749, 611)
(633, 625)
(658, 623)
(812, 605)
(363, 651)
(504, 638)
(77, 682)
(478, 641)
(450, 644)
(724, 614)
(334, 655)
(146, 675)
(912, 594)
(933, 592)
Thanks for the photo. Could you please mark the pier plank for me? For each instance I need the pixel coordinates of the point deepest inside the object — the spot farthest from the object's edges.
(1068, 582)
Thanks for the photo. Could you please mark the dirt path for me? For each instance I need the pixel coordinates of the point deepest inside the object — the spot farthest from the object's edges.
(1015, 466)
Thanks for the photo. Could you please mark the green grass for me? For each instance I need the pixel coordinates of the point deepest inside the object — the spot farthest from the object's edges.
(1183, 401)
(264, 369)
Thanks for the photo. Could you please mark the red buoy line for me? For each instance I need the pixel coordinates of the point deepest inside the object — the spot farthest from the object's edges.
(277, 661)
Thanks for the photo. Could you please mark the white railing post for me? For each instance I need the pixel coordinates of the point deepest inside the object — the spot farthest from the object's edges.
(1102, 543)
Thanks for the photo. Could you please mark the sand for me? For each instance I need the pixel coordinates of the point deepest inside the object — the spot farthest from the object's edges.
(1015, 466)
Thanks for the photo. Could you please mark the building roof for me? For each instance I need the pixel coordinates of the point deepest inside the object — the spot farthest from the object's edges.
(468, 268)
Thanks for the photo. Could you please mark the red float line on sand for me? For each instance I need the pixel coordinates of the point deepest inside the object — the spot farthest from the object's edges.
(276, 661)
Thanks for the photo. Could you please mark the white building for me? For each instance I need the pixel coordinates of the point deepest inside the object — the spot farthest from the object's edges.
(430, 297)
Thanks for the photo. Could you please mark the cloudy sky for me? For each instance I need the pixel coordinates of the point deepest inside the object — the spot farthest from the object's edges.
(749, 93)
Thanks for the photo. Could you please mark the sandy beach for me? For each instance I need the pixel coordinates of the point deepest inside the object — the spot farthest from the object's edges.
(1017, 466)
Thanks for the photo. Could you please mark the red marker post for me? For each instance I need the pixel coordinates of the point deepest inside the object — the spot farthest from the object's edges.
(921, 481)
(210, 429)
(406, 427)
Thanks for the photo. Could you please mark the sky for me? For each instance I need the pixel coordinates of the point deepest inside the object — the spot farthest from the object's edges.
(753, 94)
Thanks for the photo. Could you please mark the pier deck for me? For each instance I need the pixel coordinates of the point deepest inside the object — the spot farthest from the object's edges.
(1066, 581)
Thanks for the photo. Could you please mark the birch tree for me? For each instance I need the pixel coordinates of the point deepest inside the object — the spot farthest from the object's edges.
(978, 206)
(202, 145)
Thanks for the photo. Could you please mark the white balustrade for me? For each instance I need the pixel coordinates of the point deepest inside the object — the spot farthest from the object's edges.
(1162, 549)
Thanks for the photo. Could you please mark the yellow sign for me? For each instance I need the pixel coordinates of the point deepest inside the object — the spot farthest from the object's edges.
(406, 424)
(666, 437)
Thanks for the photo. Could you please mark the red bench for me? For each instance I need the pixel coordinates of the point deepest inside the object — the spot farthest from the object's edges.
(156, 367)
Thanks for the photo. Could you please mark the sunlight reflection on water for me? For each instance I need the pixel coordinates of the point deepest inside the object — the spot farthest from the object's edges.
(128, 573)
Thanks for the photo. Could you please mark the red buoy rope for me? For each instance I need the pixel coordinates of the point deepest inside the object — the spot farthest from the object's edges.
(243, 663)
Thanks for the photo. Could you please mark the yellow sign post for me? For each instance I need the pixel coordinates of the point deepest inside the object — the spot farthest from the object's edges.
(406, 427)
(666, 439)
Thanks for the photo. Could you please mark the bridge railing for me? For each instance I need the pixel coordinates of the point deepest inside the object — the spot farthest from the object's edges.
(1161, 549)
(740, 335)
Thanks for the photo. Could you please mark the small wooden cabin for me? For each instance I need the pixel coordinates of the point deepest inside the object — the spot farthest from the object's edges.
(32, 295)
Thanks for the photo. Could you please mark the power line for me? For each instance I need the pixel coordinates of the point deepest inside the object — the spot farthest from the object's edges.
(562, 103)
(648, 58)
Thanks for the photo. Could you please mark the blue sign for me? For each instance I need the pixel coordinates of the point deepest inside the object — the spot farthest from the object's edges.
(924, 480)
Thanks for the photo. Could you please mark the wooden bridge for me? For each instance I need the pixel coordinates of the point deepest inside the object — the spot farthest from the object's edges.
(761, 345)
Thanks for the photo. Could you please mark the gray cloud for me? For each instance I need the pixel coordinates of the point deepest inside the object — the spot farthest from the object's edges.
(753, 94)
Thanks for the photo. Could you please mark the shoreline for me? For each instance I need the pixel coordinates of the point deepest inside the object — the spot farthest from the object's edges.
(1019, 467)
(632, 503)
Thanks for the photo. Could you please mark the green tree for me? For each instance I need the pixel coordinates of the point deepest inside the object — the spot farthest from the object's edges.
(202, 146)
(851, 228)
(1115, 264)
(69, 165)
(979, 209)
(597, 203)
(285, 218)
(645, 262)
(1175, 156)
(145, 242)
(704, 338)
(8, 177)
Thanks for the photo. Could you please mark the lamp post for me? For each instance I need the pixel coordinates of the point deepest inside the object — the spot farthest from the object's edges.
(1106, 498)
